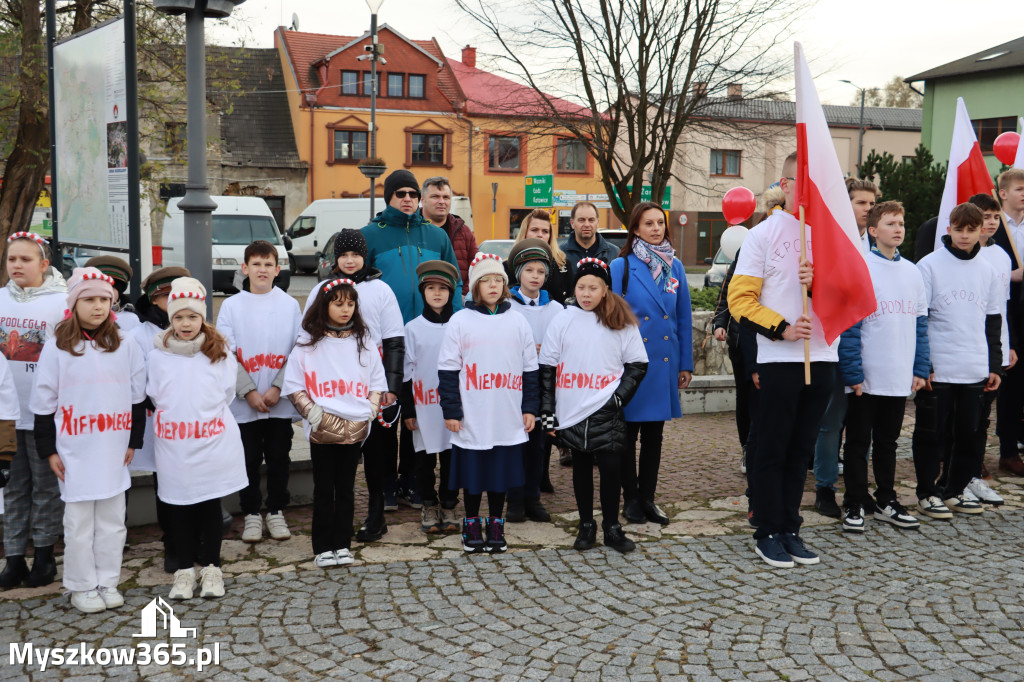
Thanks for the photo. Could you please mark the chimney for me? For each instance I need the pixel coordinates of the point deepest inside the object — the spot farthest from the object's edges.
(700, 89)
(734, 90)
(469, 56)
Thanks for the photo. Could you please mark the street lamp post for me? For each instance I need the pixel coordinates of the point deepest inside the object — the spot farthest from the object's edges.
(374, 55)
(197, 204)
(860, 136)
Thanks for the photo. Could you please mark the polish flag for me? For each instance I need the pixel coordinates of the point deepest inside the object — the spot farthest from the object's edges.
(967, 174)
(1018, 162)
(842, 291)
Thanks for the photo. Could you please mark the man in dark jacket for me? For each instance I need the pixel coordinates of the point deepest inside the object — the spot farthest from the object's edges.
(585, 242)
(436, 209)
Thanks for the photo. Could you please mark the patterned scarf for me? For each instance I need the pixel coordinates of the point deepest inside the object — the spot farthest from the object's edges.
(659, 259)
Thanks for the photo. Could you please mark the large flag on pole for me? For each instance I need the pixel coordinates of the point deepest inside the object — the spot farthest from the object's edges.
(967, 174)
(842, 291)
(1019, 161)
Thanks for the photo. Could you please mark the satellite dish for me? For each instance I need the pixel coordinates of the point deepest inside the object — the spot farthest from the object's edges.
(295, 22)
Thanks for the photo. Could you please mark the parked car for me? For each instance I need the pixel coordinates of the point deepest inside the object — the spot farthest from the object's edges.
(322, 219)
(325, 260)
(616, 238)
(716, 273)
(499, 247)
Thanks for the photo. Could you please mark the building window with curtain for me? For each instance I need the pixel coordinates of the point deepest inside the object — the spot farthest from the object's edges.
(427, 149)
(503, 153)
(725, 162)
(571, 156)
(350, 145)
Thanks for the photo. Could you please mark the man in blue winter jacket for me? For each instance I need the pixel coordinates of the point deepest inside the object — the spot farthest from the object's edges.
(399, 239)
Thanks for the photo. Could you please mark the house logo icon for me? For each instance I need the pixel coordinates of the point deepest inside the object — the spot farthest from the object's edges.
(158, 611)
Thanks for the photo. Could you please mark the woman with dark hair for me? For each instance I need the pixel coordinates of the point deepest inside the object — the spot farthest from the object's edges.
(652, 280)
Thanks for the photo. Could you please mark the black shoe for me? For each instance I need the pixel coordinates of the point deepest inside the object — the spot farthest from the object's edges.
(825, 503)
(586, 538)
(535, 511)
(633, 512)
(14, 572)
(374, 527)
(170, 565)
(44, 568)
(653, 513)
(565, 457)
(617, 540)
(516, 511)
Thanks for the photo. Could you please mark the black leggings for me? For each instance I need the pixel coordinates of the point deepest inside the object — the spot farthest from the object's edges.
(641, 486)
(495, 503)
(334, 475)
(609, 466)
(425, 463)
(194, 531)
(380, 453)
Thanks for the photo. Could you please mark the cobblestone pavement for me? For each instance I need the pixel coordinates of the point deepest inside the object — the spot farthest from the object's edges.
(942, 603)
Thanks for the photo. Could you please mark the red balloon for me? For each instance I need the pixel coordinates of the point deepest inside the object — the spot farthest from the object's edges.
(738, 204)
(1005, 147)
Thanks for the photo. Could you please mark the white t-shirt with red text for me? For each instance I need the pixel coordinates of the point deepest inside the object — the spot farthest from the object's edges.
(422, 347)
(92, 396)
(589, 358)
(491, 353)
(260, 330)
(378, 308)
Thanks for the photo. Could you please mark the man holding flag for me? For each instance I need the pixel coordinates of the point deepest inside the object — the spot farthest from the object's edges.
(798, 344)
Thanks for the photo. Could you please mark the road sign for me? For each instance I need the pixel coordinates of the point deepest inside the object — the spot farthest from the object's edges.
(683, 219)
(646, 191)
(538, 191)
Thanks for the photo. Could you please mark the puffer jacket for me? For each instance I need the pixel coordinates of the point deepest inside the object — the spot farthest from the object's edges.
(334, 429)
(463, 243)
(605, 430)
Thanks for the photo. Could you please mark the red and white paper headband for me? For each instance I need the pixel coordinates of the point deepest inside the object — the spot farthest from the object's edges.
(336, 283)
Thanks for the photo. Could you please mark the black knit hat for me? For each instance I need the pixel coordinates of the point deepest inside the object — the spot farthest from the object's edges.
(350, 240)
(595, 267)
(398, 180)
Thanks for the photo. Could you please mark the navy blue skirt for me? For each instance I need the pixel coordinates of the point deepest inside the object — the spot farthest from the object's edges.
(495, 470)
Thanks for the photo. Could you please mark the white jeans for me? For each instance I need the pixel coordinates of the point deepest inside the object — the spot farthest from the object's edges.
(94, 534)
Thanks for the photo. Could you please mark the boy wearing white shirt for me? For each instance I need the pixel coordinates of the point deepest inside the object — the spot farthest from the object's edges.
(1011, 389)
(882, 359)
(964, 302)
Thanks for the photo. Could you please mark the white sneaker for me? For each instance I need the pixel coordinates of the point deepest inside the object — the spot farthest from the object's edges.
(89, 601)
(277, 526)
(969, 496)
(853, 519)
(111, 597)
(212, 581)
(253, 531)
(344, 557)
(984, 492)
(963, 505)
(184, 583)
(326, 559)
(933, 507)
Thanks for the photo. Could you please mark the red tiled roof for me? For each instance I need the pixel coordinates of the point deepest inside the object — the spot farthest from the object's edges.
(490, 94)
(306, 48)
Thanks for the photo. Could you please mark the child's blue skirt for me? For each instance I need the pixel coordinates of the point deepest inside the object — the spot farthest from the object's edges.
(496, 470)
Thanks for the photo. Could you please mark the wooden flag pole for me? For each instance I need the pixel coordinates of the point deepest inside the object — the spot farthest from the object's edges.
(803, 292)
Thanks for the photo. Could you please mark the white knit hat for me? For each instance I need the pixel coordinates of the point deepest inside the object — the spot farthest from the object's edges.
(485, 264)
(187, 293)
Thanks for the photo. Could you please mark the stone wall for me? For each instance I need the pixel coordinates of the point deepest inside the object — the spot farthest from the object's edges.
(709, 356)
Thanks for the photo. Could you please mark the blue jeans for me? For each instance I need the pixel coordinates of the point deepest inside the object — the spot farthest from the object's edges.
(830, 436)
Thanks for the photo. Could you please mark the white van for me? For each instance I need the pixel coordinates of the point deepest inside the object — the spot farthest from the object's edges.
(237, 222)
(320, 220)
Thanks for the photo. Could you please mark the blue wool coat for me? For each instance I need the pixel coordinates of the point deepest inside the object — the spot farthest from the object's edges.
(666, 325)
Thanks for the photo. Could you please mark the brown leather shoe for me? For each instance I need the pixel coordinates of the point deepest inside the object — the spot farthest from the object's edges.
(1011, 465)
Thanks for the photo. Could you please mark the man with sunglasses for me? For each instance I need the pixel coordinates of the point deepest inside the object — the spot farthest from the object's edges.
(399, 239)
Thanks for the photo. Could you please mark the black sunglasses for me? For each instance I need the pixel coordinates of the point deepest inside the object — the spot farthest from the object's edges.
(402, 193)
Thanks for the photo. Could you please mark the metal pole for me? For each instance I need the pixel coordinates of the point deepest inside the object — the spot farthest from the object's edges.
(373, 106)
(860, 137)
(196, 204)
(132, 98)
(51, 38)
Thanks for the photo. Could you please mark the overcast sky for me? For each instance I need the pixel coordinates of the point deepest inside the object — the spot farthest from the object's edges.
(864, 41)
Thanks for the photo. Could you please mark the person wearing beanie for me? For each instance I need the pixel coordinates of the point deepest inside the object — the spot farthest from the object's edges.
(88, 431)
(112, 266)
(531, 262)
(31, 305)
(198, 447)
(390, 475)
(421, 410)
(398, 239)
(488, 389)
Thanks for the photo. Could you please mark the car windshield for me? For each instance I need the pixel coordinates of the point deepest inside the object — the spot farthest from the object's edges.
(243, 229)
(721, 258)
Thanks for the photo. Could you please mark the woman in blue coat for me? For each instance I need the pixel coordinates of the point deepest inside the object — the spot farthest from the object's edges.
(653, 282)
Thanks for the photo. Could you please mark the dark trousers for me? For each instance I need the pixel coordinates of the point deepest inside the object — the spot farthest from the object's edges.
(267, 440)
(194, 531)
(163, 519)
(752, 434)
(872, 421)
(407, 460)
(925, 442)
(495, 503)
(425, 463)
(609, 467)
(641, 485)
(379, 452)
(533, 466)
(787, 423)
(958, 411)
(334, 475)
(1008, 410)
(743, 387)
(986, 411)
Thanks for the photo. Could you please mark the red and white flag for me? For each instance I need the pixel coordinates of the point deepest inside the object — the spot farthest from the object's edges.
(1018, 162)
(843, 295)
(967, 174)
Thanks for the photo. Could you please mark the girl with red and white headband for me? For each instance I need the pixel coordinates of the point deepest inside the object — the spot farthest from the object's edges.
(31, 305)
(335, 378)
(89, 406)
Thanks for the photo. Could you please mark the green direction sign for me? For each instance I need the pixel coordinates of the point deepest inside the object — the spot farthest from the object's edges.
(539, 191)
(646, 192)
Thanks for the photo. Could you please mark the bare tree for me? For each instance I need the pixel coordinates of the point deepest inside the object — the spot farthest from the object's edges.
(642, 72)
(895, 93)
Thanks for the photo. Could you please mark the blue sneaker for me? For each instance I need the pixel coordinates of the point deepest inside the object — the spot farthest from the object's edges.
(794, 546)
(496, 535)
(770, 549)
(407, 495)
(473, 535)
